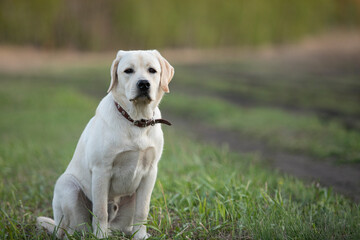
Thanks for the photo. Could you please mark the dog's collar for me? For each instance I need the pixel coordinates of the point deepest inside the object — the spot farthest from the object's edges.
(142, 122)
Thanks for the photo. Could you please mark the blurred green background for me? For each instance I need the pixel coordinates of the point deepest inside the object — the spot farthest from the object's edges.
(99, 25)
(265, 142)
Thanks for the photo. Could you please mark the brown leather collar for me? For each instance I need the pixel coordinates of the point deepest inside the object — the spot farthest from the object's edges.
(143, 122)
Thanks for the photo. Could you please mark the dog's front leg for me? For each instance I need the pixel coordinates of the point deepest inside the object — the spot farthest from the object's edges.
(143, 196)
(100, 193)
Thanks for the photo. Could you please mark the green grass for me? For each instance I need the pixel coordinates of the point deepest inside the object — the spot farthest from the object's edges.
(217, 194)
(278, 84)
(280, 103)
(278, 128)
(202, 192)
(39, 130)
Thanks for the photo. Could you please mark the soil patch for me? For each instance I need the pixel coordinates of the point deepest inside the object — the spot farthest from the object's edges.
(344, 179)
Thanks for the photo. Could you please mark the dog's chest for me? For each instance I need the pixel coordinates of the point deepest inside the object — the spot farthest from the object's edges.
(128, 169)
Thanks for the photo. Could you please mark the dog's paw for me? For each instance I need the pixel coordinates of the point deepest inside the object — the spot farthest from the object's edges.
(140, 233)
(127, 230)
(147, 235)
(101, 234)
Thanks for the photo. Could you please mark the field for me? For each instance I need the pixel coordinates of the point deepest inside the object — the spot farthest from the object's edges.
(206, 189)
(200, 24)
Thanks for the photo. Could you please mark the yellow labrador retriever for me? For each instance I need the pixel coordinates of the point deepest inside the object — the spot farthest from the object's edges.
(109, 181)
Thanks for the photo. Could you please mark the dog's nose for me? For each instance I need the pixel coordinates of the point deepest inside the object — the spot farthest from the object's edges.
(143, 85)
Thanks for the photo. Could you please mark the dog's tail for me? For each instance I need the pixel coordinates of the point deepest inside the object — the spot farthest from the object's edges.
(47, 223)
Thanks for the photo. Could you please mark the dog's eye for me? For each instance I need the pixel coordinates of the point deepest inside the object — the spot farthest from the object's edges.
(129, 70)
(152, 70)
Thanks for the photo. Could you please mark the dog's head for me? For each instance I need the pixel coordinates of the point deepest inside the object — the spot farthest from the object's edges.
(140, 77)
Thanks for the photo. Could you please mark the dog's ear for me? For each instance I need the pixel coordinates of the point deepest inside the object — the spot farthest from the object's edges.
(113, 70)
(167, 72)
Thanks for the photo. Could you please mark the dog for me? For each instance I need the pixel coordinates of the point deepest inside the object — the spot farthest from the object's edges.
(108, 183)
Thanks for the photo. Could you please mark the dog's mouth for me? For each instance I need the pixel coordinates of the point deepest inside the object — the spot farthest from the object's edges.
(142, 97)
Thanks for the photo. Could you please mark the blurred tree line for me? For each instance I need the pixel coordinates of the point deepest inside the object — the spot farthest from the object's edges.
(106, 24)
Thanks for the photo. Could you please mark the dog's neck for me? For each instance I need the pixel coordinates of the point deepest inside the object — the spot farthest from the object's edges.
(141, 110)
(136, 111)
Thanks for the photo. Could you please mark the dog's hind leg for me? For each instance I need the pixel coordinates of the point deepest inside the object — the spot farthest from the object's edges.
(71, 206)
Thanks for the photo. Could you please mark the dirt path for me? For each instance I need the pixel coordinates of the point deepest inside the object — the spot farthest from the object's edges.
(344, 179)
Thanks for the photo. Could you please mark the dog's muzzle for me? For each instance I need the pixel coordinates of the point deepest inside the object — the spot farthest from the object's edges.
(143, 87)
